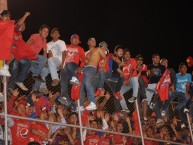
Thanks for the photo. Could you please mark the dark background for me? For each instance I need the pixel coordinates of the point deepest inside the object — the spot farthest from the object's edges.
(145, 27)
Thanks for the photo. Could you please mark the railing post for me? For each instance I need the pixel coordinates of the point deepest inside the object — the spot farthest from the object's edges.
(5, 107)
(189, 124)
(139, 118)
(80, 123)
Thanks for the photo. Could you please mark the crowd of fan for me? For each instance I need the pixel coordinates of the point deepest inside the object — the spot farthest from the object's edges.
(154, 88)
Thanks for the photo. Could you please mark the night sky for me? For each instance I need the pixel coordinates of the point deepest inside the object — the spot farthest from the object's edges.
(145, 27)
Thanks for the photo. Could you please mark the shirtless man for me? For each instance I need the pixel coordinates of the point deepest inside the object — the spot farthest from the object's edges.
(92, 60)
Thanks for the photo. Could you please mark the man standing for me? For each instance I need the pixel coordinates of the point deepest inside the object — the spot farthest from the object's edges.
(74, 56)
(56, 53)
(93, 58)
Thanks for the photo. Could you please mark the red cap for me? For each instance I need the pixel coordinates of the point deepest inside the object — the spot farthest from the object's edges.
(22, 102)
(75, 36)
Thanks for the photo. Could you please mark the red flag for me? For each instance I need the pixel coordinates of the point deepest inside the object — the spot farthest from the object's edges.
(189, 61)
(162, 86)
(22, 49)
(6, 38)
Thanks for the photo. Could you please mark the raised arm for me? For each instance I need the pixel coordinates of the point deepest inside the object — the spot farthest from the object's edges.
(22, 20)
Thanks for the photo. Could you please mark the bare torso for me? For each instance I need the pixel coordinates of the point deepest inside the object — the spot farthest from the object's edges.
(93, 57)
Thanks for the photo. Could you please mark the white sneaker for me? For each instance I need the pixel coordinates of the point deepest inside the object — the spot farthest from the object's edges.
(183, 126)
(4, 71)
(186, 110)
(21, 86)
(74, 81)
(125, 110)
(91, 106)
(132, 99)
(81, 109)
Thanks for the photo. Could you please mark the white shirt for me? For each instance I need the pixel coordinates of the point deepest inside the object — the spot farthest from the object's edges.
(56, 48)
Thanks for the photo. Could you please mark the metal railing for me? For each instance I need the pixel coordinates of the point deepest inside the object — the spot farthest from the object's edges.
(112, 107)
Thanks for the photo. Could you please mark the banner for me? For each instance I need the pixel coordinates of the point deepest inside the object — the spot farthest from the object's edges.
(6, 38)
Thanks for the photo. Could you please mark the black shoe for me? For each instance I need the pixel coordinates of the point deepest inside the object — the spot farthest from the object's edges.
(38, 78)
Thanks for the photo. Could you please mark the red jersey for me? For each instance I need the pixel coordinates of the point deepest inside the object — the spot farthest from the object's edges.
(130, 65)
(75, 54)
(38, 43)
(21, 49)
(92, 139)
(40, 127)
(141, 72)
(117, 139)
(103, 140)
(101, 63)
(21, 131)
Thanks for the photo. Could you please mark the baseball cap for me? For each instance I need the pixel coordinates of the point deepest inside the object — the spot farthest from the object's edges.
(5, 12)
(22, 102)
(103, 44)
(75, 36)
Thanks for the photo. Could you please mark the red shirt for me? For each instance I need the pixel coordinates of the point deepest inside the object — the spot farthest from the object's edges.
(117, 139)
(104, 140)
(40, 127)
(21, 49)
(141, 72)
(38, 43)
(21, 131)
(101, 63)
(92, 139)
(130, 65)
(75, 54)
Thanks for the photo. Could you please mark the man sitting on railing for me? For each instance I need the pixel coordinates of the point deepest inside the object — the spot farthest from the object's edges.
(75, 54)
(89, 71)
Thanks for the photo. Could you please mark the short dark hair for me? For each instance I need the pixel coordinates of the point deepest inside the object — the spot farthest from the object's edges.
(139, 56)
(44, 26)
(5, 12)
(182, 64)
(126, 50)
(55, 29)
(73, 113)
(117, 47)
(155, 54)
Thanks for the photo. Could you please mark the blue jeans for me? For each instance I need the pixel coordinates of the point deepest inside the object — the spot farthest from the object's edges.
(133, 84)
(44, 74)
(64, 83)
(23, 72)
(38, 65)
(167, 102)
(182, 100)
(119, 80)
(102, 77)
(89, 73)
(19, 71)
(71, 68)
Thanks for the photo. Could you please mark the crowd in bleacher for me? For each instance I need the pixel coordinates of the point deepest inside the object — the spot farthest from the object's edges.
(163, 95)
